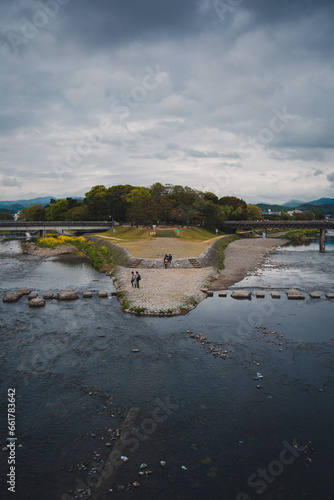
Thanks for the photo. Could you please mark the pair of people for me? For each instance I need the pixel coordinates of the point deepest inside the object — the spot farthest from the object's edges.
(135, 278)
(167, 258)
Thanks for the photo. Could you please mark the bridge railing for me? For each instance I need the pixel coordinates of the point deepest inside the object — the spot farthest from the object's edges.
(7, 223)
(280, 223)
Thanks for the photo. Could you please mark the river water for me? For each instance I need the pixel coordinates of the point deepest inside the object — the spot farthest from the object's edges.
(77, 379)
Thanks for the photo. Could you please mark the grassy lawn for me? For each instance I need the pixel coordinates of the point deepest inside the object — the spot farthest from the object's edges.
(190, 243)
(134, 233)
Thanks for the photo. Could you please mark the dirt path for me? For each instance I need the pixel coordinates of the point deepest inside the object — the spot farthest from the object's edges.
(243, 256)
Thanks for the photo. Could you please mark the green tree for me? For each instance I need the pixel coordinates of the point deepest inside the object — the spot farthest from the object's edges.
(97, 203)
(32, 213)
(285, 216)
(5, 216)
(239, 206)
(57, 210)
(140, 209)
(254, 212)
(117, 202)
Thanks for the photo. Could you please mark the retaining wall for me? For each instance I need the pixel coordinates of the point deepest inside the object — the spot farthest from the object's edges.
(122, 256)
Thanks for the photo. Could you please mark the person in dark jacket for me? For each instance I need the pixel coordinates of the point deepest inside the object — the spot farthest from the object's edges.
(138, 278)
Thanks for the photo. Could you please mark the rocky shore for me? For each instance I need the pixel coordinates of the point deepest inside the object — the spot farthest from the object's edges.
(33, 249)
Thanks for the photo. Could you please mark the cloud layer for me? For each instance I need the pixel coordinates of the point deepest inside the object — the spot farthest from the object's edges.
(233, 96)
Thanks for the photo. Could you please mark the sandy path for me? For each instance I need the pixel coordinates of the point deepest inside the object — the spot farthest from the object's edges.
(243, 256)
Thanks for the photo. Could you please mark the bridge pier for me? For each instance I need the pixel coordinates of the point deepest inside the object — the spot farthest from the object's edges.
(42, 233)
(322, 240)
(264, 232)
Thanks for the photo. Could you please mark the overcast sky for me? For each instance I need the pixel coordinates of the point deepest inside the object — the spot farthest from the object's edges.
(233, 96)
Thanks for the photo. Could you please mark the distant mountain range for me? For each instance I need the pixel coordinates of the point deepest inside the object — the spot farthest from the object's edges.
(324, 205)
(297, 203)
(14, 206)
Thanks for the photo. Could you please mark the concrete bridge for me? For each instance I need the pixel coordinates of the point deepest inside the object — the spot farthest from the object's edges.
(59, 226)
(282, 224)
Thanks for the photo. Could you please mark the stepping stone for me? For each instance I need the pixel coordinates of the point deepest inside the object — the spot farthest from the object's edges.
(24, 291)
(11, 297)
(209, 293)
(330, 295)
(87, 295)
(102, 294)
(241, 294)
(32, 295)
(48, 295)
(37, 302)
(114, 293)
(260, 295)
(314, 295)
(275, 295)
(222, 294)
(72, 295)
(294, 294)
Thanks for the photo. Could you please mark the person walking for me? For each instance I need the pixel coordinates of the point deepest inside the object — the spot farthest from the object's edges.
(166, 261)
(138, 278)
(133, 279)
(170, 257)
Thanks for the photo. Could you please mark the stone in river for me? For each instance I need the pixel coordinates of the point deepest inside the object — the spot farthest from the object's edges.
(330, 295)
(24, 291)
(37, 302)
(295, 294)
(48, 295)
(11, 297)
(102, 294)
(87, 295)
(314, 295)
(241, 294)
(71, 295)
(275, 295)
(260, 295)
(222, 294)
(32, 295)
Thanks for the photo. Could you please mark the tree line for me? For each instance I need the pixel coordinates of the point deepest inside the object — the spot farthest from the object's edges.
(157, 204)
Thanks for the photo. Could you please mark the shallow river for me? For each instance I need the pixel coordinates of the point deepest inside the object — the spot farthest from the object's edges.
(76, 379)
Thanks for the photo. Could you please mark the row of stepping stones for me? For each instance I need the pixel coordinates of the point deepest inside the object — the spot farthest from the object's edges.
(292, 294)
(36, 301)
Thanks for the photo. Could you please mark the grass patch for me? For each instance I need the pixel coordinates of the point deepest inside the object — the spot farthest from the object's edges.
(138, 310)
(125, 304)
(302, 234)
(136, 233)
(100, 257)
(221, 263)
(165, 234)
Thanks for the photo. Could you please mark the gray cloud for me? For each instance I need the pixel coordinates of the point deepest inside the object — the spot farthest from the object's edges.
(212, 116)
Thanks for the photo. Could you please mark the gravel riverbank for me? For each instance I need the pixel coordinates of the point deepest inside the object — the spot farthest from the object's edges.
(33, 249)
(243, 257)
